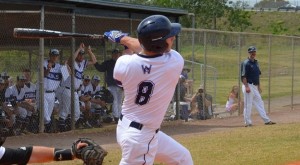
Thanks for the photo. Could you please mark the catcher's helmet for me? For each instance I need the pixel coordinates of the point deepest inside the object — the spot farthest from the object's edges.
(154, 30)
(251, 49)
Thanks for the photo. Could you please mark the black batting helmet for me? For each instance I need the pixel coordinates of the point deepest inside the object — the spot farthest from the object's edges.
(153, 32)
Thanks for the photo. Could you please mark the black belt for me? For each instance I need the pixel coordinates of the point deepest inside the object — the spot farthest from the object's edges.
(136, 125)
(48, 91)
(70, 88)
(252, 83)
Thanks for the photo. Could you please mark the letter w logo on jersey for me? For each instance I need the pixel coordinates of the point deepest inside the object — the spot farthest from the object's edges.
(146, 69)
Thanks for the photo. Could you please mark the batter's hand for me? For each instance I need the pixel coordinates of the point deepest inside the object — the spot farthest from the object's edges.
(115, 35)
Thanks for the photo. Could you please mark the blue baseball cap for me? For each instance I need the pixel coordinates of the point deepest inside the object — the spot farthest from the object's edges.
(251, 49)
(54, 52)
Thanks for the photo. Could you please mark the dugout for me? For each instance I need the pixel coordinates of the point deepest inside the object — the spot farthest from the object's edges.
(88, 16)
(80, 16)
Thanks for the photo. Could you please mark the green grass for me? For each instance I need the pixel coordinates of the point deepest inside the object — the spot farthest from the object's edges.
(267, 145)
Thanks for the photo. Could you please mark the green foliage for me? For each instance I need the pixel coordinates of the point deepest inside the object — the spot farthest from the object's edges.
(238, 19)
(278, 27)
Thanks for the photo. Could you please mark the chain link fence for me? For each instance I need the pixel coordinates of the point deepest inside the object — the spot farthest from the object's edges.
(213, 58)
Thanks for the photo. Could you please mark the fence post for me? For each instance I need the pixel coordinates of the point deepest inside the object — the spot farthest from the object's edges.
(204, 70)
(269, 65)
(239, 76)
(72, 75)
(293, 74)
(41, 73)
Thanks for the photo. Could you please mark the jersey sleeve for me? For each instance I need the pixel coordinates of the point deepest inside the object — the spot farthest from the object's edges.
(243, 69)
(120, 68)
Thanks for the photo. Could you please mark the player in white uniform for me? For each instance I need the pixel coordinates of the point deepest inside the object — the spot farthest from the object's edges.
(30, 97)
(97, 103)
(65, 92)
(16, 95)
(149, 79)
(52, 79)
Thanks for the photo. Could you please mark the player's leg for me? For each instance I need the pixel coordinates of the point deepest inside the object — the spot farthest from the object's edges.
(248, 99)
(259, 105)
(49, 106)
(65, 109)
(171, 152)
(116, 102)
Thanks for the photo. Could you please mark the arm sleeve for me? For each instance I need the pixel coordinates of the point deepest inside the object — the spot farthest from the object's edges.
(100, 67)
(120, 69)
(243, 70)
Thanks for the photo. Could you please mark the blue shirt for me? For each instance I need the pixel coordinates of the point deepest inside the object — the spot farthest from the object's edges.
(250, 70)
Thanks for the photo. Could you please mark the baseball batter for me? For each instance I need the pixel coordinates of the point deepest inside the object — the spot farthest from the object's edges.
(149, 79)
(250, 73)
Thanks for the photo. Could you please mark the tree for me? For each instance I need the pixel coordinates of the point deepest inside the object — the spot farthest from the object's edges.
(239, 20)
(206, 11)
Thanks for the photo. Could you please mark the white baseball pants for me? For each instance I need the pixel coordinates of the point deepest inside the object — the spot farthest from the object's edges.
(253, 98)
(146, 145)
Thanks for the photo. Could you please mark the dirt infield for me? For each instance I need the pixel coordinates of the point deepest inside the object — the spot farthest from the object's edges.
(106, 136)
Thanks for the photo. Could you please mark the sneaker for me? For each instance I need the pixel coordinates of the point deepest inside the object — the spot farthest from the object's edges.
(190, 119)
(248, 125)
(270, 123)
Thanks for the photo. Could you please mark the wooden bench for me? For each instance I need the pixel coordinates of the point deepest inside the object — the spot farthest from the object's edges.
(218, 110)
(216, 114)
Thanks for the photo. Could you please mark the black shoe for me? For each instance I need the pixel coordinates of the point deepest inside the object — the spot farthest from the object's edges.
(48, 128)
(270, 123)
(248, 125)
(116, 119)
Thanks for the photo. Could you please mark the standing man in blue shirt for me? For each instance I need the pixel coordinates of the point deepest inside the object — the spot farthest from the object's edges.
(250, 73)
(117, 92)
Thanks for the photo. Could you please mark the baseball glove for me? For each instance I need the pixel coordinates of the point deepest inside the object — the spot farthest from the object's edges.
(91, 154)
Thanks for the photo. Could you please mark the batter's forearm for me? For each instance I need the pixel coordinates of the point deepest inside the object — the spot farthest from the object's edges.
(132, 43)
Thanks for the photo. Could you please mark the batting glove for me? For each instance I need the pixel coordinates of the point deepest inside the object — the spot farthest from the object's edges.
(115, 35)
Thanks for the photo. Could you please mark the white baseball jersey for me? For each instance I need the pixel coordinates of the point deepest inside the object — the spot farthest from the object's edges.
(13, 94)
(16, 95)
(149, 83)
(85, 90)
(94, 91)
(52, 80)
(30, 91)
(2, 151)
(79, 68)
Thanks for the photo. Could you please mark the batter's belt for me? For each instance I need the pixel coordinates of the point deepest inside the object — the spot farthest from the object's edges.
(136, 125)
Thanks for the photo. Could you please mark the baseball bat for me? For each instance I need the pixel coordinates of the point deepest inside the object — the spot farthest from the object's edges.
(42, 33)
